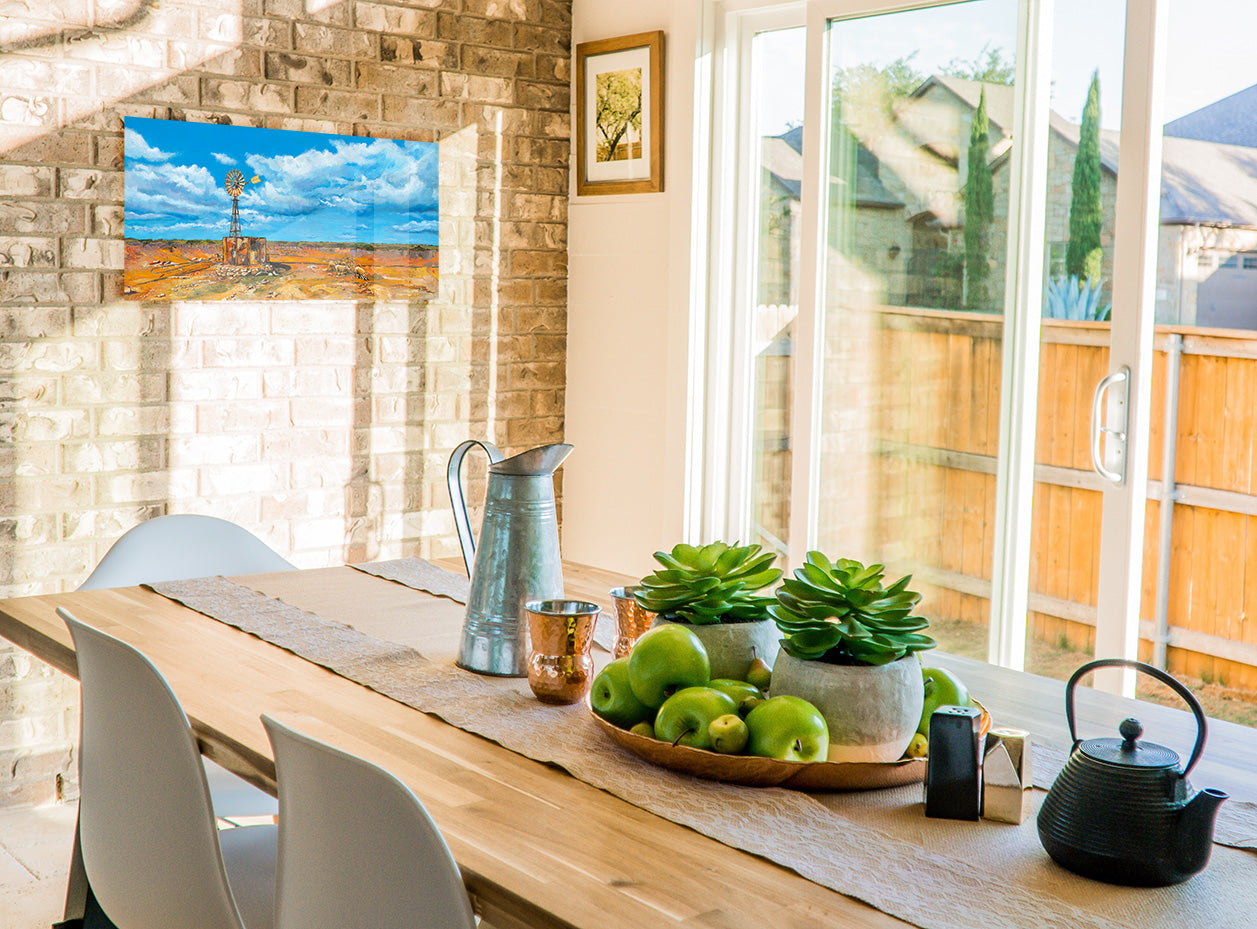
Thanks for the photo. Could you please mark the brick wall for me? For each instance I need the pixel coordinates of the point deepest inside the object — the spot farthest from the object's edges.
(322, 426)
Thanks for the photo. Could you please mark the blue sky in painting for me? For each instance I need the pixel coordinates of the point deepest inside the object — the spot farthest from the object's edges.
(303, 186)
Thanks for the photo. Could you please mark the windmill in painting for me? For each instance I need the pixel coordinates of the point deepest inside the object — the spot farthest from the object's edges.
(238, 249)
(230, 213)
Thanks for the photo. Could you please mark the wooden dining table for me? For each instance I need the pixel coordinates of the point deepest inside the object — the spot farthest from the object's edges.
(536, 846)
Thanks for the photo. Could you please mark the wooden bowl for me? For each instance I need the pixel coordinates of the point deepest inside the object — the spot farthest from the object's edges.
(753, 771)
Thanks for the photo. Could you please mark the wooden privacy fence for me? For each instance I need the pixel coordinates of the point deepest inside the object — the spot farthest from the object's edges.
(939, 436)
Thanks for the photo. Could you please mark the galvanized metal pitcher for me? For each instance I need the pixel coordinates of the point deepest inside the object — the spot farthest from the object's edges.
(517, 558)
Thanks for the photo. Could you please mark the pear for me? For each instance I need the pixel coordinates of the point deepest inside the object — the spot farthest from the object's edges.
(747, 704)
(918, 747)
(760, 673)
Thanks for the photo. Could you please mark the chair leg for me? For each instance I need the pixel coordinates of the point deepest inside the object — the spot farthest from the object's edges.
(81, 909)
(76, 891)
(93, 916)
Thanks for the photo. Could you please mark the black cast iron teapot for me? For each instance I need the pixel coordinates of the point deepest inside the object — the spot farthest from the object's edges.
(1121, 810)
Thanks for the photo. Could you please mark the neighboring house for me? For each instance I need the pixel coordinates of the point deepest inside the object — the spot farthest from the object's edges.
(910, 165)
(1207, 253)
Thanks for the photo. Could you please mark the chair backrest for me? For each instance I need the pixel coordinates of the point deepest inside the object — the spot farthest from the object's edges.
(180, 546)
(357, 850)
(149, 841)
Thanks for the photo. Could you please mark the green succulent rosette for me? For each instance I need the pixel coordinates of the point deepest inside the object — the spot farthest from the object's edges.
(839, 612)
(715, 583)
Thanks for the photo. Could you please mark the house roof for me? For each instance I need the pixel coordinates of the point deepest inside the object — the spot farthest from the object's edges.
(999, 98)
(782, 156)
(1202, 181)
(1208, 184)
(999, 109)
(1230, 121)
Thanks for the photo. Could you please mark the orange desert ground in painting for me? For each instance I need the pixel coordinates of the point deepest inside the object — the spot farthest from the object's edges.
(164, 269)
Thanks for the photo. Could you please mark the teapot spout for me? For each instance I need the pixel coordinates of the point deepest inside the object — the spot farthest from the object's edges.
(1195, 830)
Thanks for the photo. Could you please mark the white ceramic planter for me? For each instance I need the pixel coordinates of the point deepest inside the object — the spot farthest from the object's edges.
(732, 647)
(872, 711)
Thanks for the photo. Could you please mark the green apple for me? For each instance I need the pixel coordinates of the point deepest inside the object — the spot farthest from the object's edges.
(741, 691)
(613, 699)
(664, 660)
(942, 688)
(685, 717)
(760, 674)
(728, 733)
(788, 728)
(644, 728)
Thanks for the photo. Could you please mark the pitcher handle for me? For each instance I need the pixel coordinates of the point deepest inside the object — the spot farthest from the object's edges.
(453, 478)
(1165, 678)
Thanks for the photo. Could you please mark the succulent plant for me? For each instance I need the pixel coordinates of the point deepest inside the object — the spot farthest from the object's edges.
(716, 583)
(840, 613)
(1075, 298)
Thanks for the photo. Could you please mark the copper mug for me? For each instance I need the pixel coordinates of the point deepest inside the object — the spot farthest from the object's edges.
(561, 668)
(631, 619)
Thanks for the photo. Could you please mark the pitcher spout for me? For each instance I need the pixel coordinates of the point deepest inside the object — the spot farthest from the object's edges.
(536, 462)
(1195, 830)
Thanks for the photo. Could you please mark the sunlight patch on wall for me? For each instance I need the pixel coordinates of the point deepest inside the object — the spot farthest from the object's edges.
(58, 73)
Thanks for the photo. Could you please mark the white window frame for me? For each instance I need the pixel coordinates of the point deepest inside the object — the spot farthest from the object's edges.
(730, 376)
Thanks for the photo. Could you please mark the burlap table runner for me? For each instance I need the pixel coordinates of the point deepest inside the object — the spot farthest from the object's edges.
(424, 575)
(419, 575)
(876, 846)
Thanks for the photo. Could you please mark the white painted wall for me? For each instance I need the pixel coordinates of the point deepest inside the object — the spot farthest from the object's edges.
(629, 315)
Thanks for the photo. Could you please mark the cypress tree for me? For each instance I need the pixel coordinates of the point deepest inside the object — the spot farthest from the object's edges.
(979, 210)
(1082, 256)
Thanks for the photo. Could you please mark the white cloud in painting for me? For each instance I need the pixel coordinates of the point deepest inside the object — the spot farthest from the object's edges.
(417, 225)
(376, 175)
(138, 148)
(222, 159)
(180, 197)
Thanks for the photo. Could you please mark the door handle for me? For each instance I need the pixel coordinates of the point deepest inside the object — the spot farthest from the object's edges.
(1108, 458)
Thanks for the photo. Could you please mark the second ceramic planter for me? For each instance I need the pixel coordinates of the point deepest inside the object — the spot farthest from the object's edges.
(872, 710)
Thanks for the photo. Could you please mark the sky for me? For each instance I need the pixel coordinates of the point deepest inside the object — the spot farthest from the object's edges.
(1209, 54)
(301, 186)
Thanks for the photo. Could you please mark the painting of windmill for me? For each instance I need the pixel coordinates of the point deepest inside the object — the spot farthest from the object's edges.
(236, 213)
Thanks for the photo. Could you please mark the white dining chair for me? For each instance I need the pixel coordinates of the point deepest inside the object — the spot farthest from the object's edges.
(151, 849)
(181, 546)
(175, 548)
(357, 850)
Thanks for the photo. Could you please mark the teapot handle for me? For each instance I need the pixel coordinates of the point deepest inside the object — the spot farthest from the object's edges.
(453, 479)
(1165, 678)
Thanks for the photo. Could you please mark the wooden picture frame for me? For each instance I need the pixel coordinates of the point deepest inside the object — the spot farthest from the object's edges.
(619, 115)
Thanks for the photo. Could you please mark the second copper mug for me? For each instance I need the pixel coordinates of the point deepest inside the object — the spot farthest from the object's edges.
(631, 619)
(561, 668)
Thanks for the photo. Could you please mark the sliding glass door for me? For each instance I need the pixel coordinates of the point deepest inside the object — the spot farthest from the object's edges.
(938, 273)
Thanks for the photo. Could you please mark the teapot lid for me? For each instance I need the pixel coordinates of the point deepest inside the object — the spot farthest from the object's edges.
(1129, 751)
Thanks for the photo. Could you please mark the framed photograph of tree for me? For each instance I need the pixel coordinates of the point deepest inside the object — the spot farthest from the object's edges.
(619, 115)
